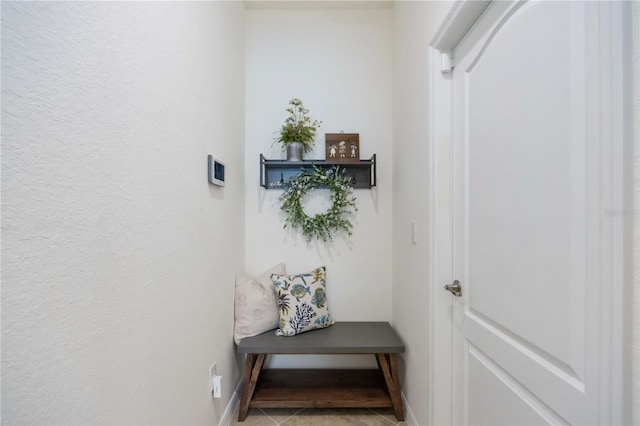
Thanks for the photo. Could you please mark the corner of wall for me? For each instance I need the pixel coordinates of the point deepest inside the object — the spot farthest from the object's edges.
(636, 216)
(414, 26)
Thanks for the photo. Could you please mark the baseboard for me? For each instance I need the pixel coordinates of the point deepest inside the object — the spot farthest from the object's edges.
(409, 418)
(227, 417)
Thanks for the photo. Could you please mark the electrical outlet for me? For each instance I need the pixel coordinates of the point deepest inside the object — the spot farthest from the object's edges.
(217, 386)
(212, 375)
(215, 381)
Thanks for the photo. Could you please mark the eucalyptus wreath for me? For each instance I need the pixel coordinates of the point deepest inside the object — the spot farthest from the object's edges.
(321, 226)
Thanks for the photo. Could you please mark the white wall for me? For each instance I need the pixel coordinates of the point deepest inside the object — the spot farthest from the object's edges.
(339, 62)
(118, 258)
(636, 216)
(414, 26)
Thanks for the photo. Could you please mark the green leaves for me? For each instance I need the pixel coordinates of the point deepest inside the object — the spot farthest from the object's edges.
(298, 127)
(321, 226)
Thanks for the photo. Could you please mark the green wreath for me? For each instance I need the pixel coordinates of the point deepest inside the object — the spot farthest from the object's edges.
(321, 226)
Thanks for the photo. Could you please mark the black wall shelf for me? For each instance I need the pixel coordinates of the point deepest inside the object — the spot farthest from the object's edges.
(275, 173)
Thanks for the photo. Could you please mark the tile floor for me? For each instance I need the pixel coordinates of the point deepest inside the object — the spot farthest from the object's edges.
(318, 417)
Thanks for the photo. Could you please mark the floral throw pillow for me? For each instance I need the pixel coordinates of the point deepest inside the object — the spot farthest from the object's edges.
(302, 302)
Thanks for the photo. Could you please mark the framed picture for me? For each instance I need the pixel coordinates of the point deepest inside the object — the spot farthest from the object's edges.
(341, 147)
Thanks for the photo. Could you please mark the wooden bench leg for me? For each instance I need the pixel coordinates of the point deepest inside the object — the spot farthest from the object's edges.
(389, 366)
(252, 368)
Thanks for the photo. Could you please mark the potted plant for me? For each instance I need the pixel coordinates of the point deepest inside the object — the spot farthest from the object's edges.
(298, 132)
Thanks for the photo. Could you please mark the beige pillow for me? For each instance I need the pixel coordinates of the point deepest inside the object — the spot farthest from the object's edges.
(255, 307)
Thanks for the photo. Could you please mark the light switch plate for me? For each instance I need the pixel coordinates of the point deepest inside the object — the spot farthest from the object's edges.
(414, 231)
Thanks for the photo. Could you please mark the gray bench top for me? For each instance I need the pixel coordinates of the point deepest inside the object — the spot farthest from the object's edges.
(340, 338)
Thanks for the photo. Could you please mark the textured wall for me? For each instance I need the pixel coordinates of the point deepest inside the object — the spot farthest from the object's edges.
(414, 26)
(339, 63)
(118, 258)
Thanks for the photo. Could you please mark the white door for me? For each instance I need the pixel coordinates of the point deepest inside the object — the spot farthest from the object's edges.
(534, 169)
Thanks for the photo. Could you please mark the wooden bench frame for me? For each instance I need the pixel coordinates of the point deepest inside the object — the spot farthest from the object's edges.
(293, 388)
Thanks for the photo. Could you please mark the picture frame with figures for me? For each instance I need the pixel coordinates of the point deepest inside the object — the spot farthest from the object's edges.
(342, 147)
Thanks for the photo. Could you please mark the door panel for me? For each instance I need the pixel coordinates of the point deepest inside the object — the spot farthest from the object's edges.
(526, 227)
(520, 189)
(491, 384)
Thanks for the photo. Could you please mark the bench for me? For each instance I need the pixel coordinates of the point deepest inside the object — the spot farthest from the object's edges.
(300, 388)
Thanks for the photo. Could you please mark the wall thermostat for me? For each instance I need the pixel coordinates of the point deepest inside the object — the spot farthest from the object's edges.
(216, 171)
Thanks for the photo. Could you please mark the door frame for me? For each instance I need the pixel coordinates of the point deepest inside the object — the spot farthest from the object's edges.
(617, 196)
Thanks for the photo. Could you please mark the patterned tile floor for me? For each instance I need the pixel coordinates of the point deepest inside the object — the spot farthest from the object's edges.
(318, 417)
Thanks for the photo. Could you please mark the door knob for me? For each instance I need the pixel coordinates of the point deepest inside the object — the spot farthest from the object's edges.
(454, 288)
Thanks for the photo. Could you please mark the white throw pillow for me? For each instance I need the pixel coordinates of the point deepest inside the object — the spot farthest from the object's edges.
(255, 306)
